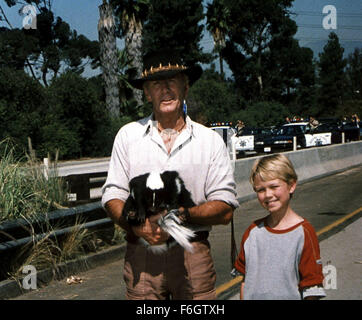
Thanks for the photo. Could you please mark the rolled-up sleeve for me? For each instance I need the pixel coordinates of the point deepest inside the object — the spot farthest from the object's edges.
(116, 185)
(220, 183)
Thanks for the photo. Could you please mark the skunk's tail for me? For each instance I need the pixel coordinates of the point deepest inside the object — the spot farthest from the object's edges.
(172, 224)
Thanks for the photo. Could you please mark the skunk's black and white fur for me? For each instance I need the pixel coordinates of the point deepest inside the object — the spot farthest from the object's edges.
(153, 192)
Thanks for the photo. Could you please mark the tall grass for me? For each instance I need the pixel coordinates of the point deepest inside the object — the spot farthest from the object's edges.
(28, 192)
(24, 189)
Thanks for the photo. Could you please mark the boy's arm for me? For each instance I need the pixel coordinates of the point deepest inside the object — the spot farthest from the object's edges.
(310, 266)
(242, 290)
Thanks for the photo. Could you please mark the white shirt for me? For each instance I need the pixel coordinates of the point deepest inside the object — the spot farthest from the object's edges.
(199, 155)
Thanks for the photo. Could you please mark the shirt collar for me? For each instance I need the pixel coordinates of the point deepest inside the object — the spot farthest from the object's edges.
(150, 125)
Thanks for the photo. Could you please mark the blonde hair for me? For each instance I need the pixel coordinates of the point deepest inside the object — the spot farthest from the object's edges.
(275, 166)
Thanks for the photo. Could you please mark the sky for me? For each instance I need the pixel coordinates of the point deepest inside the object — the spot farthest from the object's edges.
(83, 15)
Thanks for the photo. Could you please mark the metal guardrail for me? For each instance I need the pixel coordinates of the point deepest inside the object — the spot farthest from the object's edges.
(17, 233)
(81, 184)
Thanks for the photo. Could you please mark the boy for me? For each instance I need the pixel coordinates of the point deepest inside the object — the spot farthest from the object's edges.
(279, 254)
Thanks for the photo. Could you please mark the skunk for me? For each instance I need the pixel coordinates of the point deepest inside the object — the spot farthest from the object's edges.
(153, 192)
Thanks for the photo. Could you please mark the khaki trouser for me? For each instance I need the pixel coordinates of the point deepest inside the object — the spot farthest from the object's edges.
(175, 274)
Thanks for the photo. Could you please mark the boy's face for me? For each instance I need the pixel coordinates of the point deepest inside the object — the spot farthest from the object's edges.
(274, 195)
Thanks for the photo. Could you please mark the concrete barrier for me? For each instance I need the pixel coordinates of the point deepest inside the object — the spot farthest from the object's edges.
(309, 164)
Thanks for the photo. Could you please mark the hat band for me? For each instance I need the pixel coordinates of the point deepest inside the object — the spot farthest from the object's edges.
(169, 67)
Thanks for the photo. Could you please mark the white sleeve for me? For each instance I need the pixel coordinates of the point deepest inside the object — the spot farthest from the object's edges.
(220, 184)
(316, 291)
(116, 185)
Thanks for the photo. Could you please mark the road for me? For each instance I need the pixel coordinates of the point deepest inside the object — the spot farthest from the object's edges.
(322, 202)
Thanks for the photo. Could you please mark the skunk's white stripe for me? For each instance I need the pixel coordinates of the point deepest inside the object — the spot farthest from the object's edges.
(154, 181)
(178, 185)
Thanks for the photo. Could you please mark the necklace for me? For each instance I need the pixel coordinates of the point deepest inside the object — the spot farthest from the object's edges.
(171, 131)
(169, 136)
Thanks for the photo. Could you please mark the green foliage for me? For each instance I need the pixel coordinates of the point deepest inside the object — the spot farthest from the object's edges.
(348, 108)
(127, 10)
(176, 24)
(56, 137)
(69, 117)
(354, 74)
(48, 48)
(267, 63)
(81, 110)
(332, 80)
(262, 114)
(21, 106)
(15, 48)
(212, 98)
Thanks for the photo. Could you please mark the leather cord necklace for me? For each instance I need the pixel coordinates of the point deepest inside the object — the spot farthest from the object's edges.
(169, 136)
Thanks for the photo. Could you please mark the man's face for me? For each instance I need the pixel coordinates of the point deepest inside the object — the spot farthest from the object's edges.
(167, 95)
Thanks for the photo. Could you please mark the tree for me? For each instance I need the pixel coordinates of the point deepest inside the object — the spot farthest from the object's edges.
(130, 16)
(108, 57)
(176, 25)
(262, 114)
(212, 98)
(22, 107)
(354, 74)
(15, 48)
(332, 79)
(80, 109)
(252, 24)
(54, 45)
(217, 17)
(289, 70)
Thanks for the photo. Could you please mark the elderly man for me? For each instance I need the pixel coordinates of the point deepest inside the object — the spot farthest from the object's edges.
(169, 140)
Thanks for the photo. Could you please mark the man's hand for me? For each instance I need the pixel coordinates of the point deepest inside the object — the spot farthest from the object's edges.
(151, 231)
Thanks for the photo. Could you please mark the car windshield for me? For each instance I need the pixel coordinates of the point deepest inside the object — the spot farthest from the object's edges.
(248, 131)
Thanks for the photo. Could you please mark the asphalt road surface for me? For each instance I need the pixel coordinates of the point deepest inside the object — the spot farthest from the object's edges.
(321, 201)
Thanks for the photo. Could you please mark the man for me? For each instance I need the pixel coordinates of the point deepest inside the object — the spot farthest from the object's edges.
(313, 123)
(170, 140)
(239, 127)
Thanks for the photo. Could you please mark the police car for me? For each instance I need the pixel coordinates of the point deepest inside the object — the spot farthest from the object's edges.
(228, 133)
(312, 138)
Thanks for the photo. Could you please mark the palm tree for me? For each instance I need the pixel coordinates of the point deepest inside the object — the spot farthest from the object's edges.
(217, 17)
(108, 57)
(130, 16)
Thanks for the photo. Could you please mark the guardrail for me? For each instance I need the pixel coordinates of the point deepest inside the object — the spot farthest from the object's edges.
(80, 185)
(16, 235)
(21, 231)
